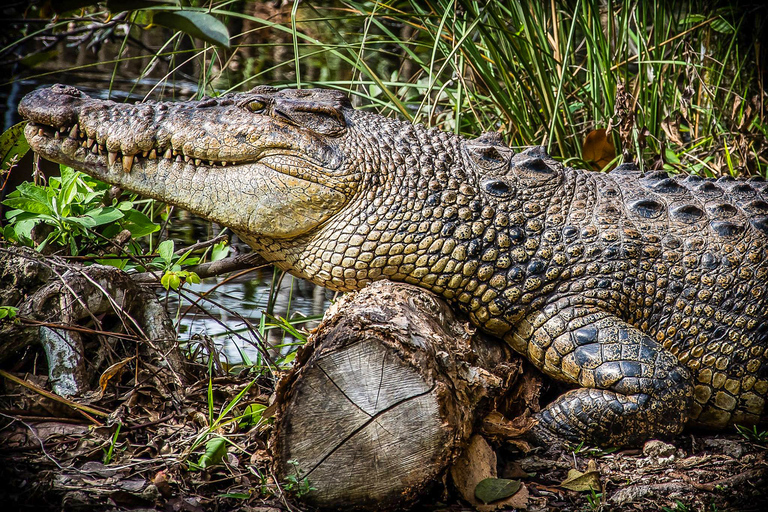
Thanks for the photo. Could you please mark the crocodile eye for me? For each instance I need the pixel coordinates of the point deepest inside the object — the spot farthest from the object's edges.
(256, 106)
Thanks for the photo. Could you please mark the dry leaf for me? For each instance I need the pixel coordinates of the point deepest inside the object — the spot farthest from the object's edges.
(477, 463)
(587, 481)
(598, 149)
(112, 371)
(496, 424)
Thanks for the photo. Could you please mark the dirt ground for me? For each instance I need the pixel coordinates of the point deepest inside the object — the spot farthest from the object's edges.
(53, 458)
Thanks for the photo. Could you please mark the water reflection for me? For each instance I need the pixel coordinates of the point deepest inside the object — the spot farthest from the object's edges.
(238, 314)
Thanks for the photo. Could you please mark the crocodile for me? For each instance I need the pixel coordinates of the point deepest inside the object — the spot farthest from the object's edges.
(646, 293)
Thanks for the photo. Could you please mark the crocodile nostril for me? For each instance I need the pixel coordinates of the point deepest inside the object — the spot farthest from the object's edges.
(66, 89)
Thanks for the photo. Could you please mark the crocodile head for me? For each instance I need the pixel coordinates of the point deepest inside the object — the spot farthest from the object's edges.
(340, 196)
(267, 163)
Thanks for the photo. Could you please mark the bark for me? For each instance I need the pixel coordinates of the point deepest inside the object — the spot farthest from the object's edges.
(384, 397)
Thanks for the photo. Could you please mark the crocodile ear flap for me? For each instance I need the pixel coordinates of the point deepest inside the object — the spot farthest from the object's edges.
(488, 151)
(321, 118)
(534, 166)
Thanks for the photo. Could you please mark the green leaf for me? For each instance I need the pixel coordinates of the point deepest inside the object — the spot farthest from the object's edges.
(86, 222)
(494, 489)
(723, 26)
(165, 251)
(215, 450)
(252, 415)
(36, 192)
(139, 224)
(693, 19)
(235, 495)
(170, 280)
(196, 24)
(670, 156)
(8, 311)
(13, 143)
(27, 205)
(105, 215)
(219, 251)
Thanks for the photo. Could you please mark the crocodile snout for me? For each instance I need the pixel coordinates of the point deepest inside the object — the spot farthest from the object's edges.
(52, 106)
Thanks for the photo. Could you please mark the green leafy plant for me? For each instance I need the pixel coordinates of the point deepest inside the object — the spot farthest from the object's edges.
(8, 313)
(215, 451)
(109, 451)
(70, 208)
(170, 263)
(679, 507)
(753, 434)
(295, 484)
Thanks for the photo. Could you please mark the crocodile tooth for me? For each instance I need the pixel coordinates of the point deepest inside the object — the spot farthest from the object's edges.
(40, 131)
(153, 154)
(95, 149)
(74, 132)
(168, 154)
(127, 163)
(89, 142)
(187, 158)
(62, 129)
(198, 161)
(112, 158)
(144, 154)
(56, 135)
(211, 162)
(179, 159)
(223, 163)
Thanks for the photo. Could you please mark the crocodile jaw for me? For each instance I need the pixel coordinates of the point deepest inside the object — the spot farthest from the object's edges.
(246, 191)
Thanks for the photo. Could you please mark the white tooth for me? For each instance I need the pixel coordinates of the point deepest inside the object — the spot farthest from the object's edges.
(168, 154)
(95, 149)
(112, 158)
(187, 158)
(153, 154)
(198, 161)
(127, 163)
(179, 159)
(62, 129)
(56, 135)
(73, 133)
(144, 153)
(223, 163)
(41, 132)
(89, 142)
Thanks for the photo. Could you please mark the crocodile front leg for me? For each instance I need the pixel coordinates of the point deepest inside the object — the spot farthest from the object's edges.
(630, 387)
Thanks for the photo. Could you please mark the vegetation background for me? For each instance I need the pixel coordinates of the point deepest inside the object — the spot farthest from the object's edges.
(671, 85)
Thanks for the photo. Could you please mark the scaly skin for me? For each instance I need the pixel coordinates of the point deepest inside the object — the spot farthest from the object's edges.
(647, 293)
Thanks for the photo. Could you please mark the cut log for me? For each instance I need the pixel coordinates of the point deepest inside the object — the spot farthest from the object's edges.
(384, 397)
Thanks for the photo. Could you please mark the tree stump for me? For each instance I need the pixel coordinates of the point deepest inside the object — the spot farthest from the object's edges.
(384, 397)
